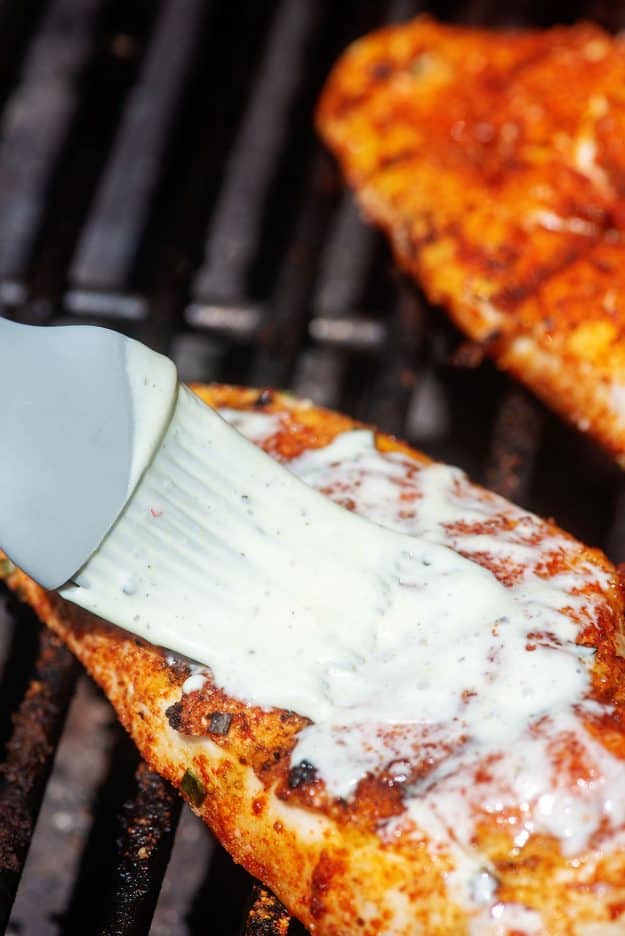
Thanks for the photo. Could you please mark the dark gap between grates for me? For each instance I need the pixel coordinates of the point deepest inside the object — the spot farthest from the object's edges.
(222, 898)
(615, 540)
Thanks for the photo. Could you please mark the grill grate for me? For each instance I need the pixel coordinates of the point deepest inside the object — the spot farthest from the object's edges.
(159, 169)
(143, 850)
(28, 759)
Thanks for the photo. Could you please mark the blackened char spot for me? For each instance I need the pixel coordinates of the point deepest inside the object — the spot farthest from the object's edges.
(302, 773)
(177, 670)
(219, 723)
(174, 715)
(264, 398)
(381, 70)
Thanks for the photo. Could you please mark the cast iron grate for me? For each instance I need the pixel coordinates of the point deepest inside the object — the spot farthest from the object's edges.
(159, 172)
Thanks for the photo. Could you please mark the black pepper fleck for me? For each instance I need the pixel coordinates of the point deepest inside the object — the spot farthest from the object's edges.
(174, 715)
(302, 773)
(264, 398)
(220, 723)
(381, 70)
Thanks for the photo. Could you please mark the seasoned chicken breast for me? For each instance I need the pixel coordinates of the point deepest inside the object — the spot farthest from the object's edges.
(495, 162)
(521, 834)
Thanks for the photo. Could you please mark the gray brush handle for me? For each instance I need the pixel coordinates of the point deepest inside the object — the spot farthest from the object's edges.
(82, 410)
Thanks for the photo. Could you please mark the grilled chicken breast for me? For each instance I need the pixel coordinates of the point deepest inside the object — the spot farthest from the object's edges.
(495, 163)
(525, 837)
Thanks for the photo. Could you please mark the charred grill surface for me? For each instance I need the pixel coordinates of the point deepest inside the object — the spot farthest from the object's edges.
(147, 827)
(37, 726)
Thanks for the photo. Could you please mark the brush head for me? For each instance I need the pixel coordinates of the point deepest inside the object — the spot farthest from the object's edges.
(73, 445)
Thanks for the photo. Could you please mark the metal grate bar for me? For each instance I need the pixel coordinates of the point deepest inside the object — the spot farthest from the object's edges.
(234, 231)
(282, 336)
(391, 394)
(318, 376)
(345, 264)
(349, 333)
(110, 240)
(266, 916)
(514, 445)
(237, 322)
(30, 753)
(36, 125)
(144, 846)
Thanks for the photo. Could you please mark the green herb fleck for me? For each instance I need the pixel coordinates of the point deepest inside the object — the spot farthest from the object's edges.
(6, 568)
(193, 789)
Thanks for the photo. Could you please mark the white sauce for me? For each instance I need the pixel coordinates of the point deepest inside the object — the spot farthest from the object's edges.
(387, 643)
(483, 887)
(555, 222)
(152, 380)
(585, 161)
(617, 398)
(256, 427)
(194, 682)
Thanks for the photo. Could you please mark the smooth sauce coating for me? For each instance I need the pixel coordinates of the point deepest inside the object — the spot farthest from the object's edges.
(459, 640)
